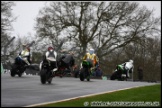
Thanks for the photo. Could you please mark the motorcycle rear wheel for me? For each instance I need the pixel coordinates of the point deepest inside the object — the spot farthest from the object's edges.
(49, 81)
(88, 79)
(19, 74)
(49, 77)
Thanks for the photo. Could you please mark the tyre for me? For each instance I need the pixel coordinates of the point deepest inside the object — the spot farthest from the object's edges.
(75, 74)
(19, 74)
(88, 78)
(13, 70)
(87, 75)
(82, 74)
(49, 80)
(113, 76)
(123, 78)
(43, 76)
(49, 77)
(61, 73)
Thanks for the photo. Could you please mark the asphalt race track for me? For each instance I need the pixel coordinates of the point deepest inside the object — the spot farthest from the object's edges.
(27, 90)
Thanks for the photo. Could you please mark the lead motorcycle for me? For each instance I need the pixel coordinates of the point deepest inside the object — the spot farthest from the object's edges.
(86, 70)
(47, 71)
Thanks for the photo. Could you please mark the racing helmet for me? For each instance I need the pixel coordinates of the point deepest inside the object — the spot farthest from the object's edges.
(91, 51)
(50, 48)
(28, 48)
(131, 61)
(24, 45)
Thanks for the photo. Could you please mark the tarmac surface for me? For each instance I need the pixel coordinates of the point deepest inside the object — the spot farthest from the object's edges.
(27, 90)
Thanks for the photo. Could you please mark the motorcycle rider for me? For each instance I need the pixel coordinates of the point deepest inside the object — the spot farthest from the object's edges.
(25, 54)
(92, 56)
(67, 60)
(51, 53)
(127, 67)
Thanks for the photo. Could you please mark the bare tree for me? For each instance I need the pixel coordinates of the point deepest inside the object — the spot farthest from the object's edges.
(48, 28)
(74, 17)
(153, 59)
(125, 23)
(101, 25)
(146, 54)
(6, 26)
(6, 16)
(116, 23)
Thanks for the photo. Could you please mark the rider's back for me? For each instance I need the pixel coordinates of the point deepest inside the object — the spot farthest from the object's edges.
(68, 59)
(128, 65)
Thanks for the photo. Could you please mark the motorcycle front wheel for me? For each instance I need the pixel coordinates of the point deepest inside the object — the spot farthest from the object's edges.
(113, 76)
(43, 76)
(13, 70)
(82, 74)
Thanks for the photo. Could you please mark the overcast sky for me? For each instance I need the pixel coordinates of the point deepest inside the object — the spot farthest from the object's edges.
(27, 11)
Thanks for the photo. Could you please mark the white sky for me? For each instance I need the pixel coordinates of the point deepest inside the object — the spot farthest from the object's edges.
(27, 11)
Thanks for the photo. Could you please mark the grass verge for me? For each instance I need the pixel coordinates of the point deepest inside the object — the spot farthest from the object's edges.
(146, 95)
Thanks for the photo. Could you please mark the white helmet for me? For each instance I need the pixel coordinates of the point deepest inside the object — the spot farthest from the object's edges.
(131, 61)
(91, 51)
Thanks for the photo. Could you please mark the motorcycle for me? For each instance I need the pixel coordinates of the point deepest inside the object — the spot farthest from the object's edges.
(119, 75)
(86, 70)
(19, 66)
(47, 72)
(63, 69)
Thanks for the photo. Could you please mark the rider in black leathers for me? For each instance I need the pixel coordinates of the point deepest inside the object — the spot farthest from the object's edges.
(67, 60)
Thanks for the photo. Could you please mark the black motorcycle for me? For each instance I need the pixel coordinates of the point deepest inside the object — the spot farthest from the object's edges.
(85, 71)
(64, 68)
(18, 67)
(47, 70)
(119, 74)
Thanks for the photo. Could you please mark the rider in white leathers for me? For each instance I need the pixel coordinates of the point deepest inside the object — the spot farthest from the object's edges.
(50, 55)
(128, 66)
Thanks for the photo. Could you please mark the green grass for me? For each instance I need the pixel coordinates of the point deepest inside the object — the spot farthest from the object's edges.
(140, 94)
